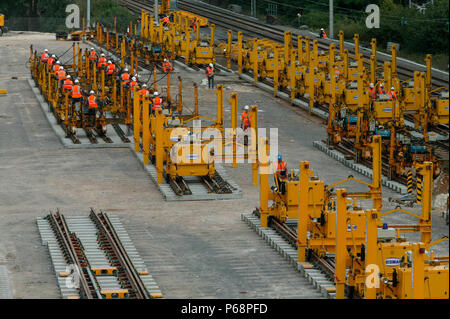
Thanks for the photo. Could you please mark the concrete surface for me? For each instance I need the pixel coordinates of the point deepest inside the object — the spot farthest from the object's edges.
(193, 249)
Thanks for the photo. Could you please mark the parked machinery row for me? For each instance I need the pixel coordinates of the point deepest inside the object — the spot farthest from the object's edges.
(364, 255)
(150, 43)
(361, 98)
(91, 73)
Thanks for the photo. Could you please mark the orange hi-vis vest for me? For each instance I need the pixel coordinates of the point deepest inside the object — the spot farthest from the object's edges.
(392, 95)
(44, 57)
(166, 20)
(372, 93)
(110, 68)
(67, 85)
(61, 75)
(76, 91)
(209, 71)
(144, 92)
(125, 77)
(381, 91)
(93, 55)
(167, 67)
(50, 62)
(246, 119)
(92, 101)
(102, 62)
(132, 85)
(157, 103)
(56, 68)
(281, 167)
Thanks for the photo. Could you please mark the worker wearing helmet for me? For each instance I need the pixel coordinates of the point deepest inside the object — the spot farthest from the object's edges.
(157, 101)
(133, 83)
(92, 55)
(56, 67)
(62, 75)
(110, 68)
(381, 89)
(50, 62)
(102, 61)
(92, 106)
(67, 85)
(44, 56)
(281, 174)
(372, 91)
(322, 34)
(125, 77)
(77, 97)
(392, 94)
(245, 123)
(167, 67)
(144, 92)
(210, 75)
(166, 21)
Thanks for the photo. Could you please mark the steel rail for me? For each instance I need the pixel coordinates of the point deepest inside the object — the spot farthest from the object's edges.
(102, 220)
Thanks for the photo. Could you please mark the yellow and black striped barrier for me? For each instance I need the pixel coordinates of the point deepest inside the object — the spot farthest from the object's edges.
(410, 182)
(419, 189)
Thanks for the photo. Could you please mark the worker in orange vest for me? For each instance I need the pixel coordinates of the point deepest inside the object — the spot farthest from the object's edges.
(56, 67)
(61, 75)
(92, 55)
(245, 123)
(281, 174)
(67, 85)
(125, 77)
(133, 83)
(322, 34)
(194, 23)
(210, 75)
(102, 61)
(92, 106)
(110, 68)
(392, 94)
(381, 89)
(50, 62)
(44, 56)
(166, 21)
(157, 101)
(77, 97)
(144, 92)
(372, 91)
(167, 67)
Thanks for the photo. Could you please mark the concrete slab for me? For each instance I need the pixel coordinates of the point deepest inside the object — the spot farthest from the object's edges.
(5, 289)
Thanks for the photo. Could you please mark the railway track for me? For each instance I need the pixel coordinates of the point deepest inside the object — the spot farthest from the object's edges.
(99, 261)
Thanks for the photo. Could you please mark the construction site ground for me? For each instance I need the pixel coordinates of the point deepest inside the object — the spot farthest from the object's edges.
(198, 249)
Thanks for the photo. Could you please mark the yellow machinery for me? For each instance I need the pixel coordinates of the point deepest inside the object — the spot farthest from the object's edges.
(3, 29)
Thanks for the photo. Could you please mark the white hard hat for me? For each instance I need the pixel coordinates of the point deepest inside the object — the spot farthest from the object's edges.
(68, 76)
(126, 70)
(321, 29)
(165, 60)
(392, 88)
(144, 85)
(156, 93)
(45, 50)
(371, 85)
(61, 67)
(109, 62)
(92, 49)
(76, 81)
(246, 107)
(57, 62)
(381, 84)
(102, 54)
(133, 78)
(92, 92)
(53, 56)
(211, 65)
